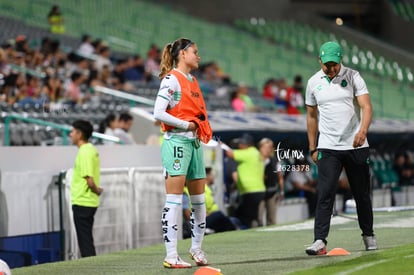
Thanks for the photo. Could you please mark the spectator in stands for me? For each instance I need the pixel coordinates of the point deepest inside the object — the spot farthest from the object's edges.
(184, 127)
(4, 72)
(274, 182)
(103, 78)
(30, 94)
(79, 64)
(250, 182)
(281, 95)
(19, 59)
(295, 101)
(212, 73)
(4, 63)
(299, 183)
(118, 76)
(73, 94)
(60, 69)
(135, 69)
(7, 55)
(153, 50)
(97, 44)
(270, 90)
(85, 187)
(22, 45)
(339, 113)
(50, 48)
(237, 102)
(243, 92)
(55, 19)
(13, 84)
(122, 131)
(86, 48)
(404, 167)
(108, 127)
(103, 59)
(152, 63)
(36, 61)
(52, 89)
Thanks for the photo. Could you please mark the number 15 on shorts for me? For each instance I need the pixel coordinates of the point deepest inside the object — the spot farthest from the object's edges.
(178, 152)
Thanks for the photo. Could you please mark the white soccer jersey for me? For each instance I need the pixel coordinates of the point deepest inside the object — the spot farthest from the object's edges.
(339, 112)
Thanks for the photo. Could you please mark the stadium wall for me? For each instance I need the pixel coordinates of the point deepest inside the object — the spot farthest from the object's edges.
(29, 175)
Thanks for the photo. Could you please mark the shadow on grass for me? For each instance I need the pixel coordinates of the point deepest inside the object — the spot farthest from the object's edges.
(287, 259)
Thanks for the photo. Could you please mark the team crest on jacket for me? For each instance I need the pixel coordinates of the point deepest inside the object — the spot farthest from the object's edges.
(177, 164)
(177, 95)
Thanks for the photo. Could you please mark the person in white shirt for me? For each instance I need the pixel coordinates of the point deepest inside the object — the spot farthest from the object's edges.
(108, 126)
(339, 113)
(86, 48)
(124, 124)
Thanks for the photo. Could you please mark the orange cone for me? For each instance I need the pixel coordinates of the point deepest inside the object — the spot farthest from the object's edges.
(338, 252)
(208, 270)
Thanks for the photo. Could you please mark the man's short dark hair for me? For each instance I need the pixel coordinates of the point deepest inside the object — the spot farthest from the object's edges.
(125, 117)
(85, 127)
(75, 75)
(85, 37)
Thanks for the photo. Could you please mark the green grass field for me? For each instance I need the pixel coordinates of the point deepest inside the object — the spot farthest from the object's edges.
(268, 250)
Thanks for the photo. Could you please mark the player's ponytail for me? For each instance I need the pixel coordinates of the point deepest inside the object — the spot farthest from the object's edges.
(167, 61)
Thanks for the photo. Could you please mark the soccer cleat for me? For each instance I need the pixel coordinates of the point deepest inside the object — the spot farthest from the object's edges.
(370, 242)
(199, 257)
(317, 248)
(175, 263)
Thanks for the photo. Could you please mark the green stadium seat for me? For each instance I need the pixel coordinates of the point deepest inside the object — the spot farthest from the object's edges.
(243, 51)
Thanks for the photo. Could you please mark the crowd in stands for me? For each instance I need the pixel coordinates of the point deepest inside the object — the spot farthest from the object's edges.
(47, 74)
(50, 73)
(288, 99)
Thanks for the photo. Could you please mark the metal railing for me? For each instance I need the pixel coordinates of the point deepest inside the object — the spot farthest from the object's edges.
(65, 129)
(120, 94)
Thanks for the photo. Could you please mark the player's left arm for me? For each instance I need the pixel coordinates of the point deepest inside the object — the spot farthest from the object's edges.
(364, 103)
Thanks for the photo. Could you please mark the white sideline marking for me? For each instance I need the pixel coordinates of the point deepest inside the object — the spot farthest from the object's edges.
(397, 223)
(361, 267)
(304, 225)
(308, 224)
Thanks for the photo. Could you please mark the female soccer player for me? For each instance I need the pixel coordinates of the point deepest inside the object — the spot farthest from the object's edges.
(181, 109)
